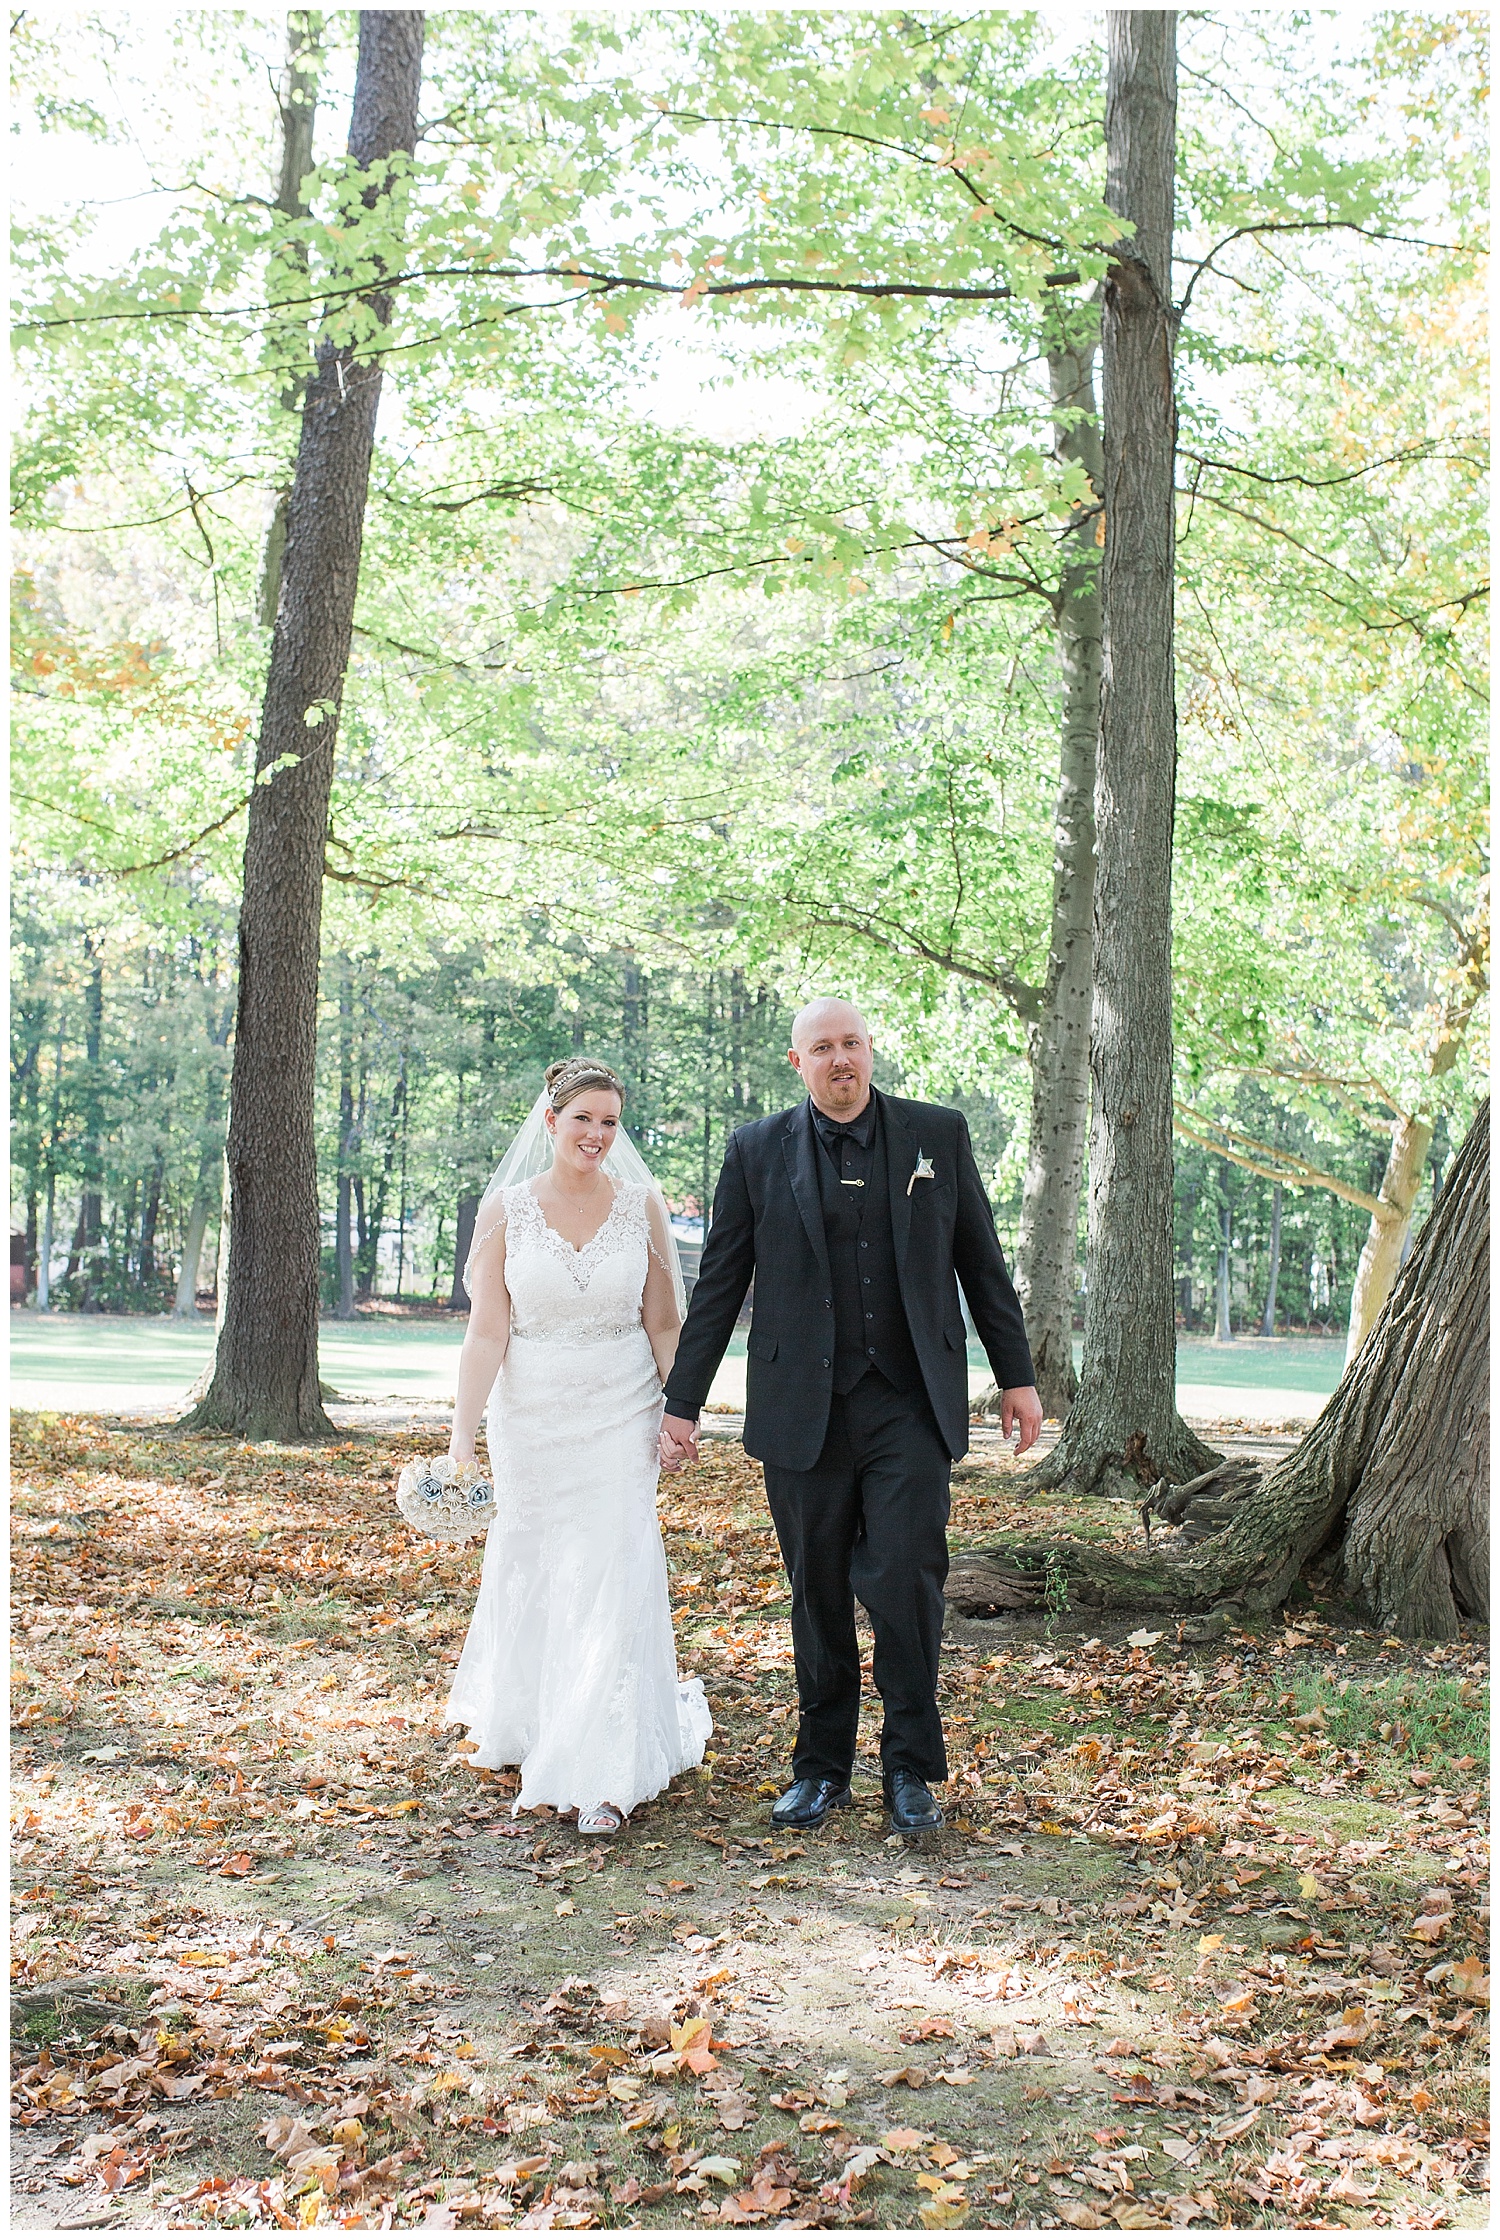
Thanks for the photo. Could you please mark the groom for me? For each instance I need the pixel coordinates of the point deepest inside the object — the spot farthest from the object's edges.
(854, 1214)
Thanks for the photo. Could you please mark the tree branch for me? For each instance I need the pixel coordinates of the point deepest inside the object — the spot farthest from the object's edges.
(1274, 1162)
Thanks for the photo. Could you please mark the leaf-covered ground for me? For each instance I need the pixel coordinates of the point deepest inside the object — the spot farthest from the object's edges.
(1203, 1945)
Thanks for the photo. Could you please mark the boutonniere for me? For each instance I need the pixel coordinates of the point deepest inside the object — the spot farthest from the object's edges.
(921, 1172)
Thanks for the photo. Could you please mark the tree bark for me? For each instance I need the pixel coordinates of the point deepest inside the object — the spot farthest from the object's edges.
(1268, 1319)
(87, 1241)
(265, 1380)
(145, 1258)
(1047, 1244)
(44, 1255)
(468, 1210)
(1389, 1226)
(343, 1242)
(192, 1250)
(1223, 1326)
(1123, 1429)
(298, 104)
(1386, 1502)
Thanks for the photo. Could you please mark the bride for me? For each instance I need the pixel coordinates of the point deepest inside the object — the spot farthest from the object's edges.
(569, 1670)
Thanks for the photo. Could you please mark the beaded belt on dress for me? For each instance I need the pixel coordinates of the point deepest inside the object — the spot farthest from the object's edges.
(581, 1337)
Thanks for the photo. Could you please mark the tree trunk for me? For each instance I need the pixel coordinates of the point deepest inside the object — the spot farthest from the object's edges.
(87, 1242)
(343, 1242)
(265, 1381)
(1223, 1327)
(44, 1253)
(1268, 1319)
(1047, 1245)
(298, 103)
(49, 1222)
(183, 1305)
(1381, 1257)
(372, 1224)
(1385, 1502)
(468, 1209)
(1123, 1429)
(145, 1258)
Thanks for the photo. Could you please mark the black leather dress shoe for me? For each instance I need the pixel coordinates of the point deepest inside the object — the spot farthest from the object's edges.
(807, 1804)
(913, 1808)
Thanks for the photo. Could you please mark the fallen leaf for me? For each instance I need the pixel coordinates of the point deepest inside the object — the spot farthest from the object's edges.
(1471, 1980)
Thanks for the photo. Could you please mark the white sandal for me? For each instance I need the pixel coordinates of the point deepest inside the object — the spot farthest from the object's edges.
(599, 1820)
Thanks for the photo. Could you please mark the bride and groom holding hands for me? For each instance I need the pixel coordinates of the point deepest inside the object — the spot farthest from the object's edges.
(856, 1216)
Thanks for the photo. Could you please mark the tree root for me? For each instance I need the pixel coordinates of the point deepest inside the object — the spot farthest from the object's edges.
(1386, 1499)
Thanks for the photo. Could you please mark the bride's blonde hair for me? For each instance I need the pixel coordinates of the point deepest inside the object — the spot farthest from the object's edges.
(570, 1077)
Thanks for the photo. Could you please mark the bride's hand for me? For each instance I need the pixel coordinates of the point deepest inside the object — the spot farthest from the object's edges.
(677, 1444)
(461, 1454)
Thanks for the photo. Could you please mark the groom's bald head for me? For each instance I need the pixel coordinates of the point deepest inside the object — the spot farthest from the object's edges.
(831, 1050)
(827, 1014)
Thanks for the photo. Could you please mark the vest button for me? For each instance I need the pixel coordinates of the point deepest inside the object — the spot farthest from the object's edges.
(825, 1361)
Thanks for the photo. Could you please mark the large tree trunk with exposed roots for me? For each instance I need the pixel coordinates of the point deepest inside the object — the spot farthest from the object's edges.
(1385, 1503)
(265, 1376)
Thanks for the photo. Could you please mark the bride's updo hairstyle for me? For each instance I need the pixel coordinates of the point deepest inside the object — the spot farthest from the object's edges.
(571, 1077)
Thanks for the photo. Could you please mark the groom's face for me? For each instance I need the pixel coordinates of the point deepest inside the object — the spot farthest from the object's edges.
(832, 1053)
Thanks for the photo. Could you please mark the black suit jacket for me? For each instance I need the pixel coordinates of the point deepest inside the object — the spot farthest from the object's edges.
(768, 1225)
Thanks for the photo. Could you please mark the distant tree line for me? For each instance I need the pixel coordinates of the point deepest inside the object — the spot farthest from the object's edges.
(426, 1066)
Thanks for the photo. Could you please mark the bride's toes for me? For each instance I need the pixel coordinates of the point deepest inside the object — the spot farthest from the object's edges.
(599, 1820)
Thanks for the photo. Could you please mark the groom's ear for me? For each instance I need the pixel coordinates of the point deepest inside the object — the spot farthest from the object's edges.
(794, 1059)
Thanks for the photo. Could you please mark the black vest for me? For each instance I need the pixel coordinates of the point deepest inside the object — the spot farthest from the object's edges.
(870, 1327)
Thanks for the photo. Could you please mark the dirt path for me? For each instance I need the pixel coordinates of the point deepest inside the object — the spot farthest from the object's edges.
(1202, 1945)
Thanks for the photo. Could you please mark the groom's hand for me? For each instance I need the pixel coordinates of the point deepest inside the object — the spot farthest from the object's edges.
(679, 1441)
(1021, 1410)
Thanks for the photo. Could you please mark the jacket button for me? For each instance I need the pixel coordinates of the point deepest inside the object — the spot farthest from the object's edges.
(828, 1303)
(825, 1361)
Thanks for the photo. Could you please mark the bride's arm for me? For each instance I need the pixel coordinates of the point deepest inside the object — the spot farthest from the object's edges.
(659, 1300)
(485, 1342)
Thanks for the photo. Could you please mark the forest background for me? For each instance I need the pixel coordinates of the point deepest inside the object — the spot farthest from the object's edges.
(708, 651)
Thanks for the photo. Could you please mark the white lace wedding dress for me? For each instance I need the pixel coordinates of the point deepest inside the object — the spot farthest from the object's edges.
(569, 1670)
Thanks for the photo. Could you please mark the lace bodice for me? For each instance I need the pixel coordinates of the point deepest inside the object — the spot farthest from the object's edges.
(573, 1296)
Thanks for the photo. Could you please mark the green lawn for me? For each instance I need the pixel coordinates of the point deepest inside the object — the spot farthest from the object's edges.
(126, 1363)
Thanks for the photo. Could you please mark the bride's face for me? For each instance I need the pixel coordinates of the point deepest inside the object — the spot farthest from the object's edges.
(584, 1130)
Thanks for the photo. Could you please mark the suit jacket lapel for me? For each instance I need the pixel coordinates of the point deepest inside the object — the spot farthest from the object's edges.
(900, 1160)
(801, 1154)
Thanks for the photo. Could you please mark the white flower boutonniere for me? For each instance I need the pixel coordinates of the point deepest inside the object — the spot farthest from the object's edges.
(921, 1172)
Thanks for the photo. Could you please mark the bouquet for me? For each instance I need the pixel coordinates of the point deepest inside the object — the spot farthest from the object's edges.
(445, 1499)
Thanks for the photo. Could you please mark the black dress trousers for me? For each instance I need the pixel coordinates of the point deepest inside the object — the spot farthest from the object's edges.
(869, 1519)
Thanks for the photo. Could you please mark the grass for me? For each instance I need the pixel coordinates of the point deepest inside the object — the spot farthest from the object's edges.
(1413, 1717)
